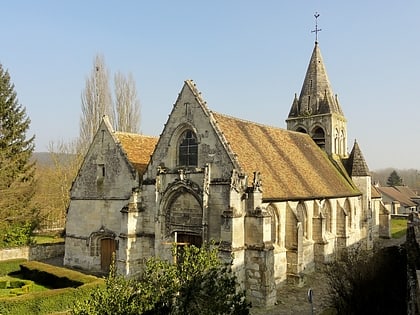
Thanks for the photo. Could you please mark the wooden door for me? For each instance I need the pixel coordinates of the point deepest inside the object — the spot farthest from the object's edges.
(108, 247)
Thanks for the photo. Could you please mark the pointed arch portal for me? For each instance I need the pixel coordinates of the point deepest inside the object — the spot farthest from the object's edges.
(184, 216)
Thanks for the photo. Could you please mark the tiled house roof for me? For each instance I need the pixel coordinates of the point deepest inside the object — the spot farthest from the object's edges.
(138, 148)
(375, 192)
(395, 195)
(292, 166)
(407, 191)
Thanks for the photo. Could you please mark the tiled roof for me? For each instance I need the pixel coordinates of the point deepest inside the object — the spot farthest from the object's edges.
(138, 148)
(356, 163)
(292, 166)
(375, 192)
(407, 191)
(395, 195)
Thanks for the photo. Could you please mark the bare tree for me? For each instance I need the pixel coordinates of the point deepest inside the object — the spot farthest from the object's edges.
(56, 178)
(55, 175)
(96, 102)
(127, 104)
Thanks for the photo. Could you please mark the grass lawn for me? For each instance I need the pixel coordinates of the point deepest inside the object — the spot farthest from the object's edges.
(398, 227)
(47, 239)
(9, 266)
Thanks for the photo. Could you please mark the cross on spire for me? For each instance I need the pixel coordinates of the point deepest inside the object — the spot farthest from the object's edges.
(316, 30)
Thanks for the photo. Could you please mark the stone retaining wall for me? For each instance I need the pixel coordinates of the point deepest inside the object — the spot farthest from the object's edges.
(413, 264)
(35, 252)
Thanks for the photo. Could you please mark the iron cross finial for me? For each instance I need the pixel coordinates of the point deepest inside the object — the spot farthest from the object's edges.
(316, 30)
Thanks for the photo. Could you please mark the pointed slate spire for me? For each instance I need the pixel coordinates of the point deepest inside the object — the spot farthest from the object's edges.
(316, 96)
(356, 163)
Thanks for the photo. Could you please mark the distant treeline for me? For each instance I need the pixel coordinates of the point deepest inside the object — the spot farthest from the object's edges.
(410, 177)
(44, 158)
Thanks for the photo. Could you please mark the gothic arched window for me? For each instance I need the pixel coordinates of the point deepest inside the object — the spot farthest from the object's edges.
(303, 218)
(328, 216)
(343, 142)
(301, 129)
(318, 135)
(188, 149)
(336, 142)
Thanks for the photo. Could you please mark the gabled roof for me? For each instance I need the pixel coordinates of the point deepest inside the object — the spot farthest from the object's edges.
(407, 191)
(138, 148)
(375, 192)
(316, 96)
(356, 163)
(395, 195)
(292, 166)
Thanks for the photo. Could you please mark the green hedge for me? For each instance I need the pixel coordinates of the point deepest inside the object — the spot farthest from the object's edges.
(47, 302)
(52, 276)
(10, 287)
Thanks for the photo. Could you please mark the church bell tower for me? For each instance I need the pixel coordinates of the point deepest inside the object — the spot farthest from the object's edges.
(317, 111)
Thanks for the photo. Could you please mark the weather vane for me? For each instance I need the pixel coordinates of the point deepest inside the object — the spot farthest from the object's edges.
(316, 30)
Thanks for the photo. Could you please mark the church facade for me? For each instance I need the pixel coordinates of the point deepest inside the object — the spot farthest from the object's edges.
(276, 201)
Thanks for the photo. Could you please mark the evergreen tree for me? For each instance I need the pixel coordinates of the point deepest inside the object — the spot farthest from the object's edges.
(394, 179)
(16, 169)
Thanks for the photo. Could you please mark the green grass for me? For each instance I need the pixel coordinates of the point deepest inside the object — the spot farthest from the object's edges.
(47, 239)
(398, 227)
(9, 266)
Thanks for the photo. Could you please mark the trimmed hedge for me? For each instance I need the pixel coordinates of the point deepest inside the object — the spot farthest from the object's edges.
(52, 276)
(11, 287)
(47, 302)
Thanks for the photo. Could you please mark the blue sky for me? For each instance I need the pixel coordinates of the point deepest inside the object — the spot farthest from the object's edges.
(248, 58)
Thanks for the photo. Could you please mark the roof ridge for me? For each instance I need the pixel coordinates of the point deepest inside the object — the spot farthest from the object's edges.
(249, 121)
(134, 134)
(291, 164)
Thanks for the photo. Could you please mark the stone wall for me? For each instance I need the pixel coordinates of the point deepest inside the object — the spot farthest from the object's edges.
(36, 252)
(413, 264)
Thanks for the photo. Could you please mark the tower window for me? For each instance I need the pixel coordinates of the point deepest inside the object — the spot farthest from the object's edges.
(318, 136)
(188, 149)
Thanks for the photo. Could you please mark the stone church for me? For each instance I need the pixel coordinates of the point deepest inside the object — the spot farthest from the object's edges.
(278, 201)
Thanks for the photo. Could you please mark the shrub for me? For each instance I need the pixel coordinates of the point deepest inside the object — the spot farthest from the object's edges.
(16, 284)
(361, 282)
(198, 282)
(15, 235)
